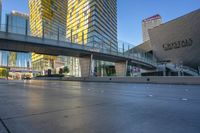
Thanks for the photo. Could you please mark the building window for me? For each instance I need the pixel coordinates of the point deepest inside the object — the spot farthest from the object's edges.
(77, 14)
(78, 25)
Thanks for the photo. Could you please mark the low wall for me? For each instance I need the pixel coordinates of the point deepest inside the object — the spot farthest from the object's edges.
(47, 78)
(153, 80)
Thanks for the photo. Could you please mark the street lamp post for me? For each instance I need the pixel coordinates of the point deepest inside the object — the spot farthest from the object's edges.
(82, 37)
(58, 36)
(123, 48)
(43, 30)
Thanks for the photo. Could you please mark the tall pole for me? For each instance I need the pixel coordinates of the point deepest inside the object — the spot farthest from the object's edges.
(58, 36)
(102, 44)
(117, 48)
(26, 30)
(110, 48)
(83, 38)
(132, 52)
(7, 23)
(91, 65)
(42, 29)
(123, 48)
(71, 34)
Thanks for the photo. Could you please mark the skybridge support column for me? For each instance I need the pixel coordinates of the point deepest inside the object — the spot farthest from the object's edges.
(121, 68)
(86, 64)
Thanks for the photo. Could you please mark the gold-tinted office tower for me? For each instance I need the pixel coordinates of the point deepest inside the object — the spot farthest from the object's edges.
(91, 21)
(48, 17)
(48, 20)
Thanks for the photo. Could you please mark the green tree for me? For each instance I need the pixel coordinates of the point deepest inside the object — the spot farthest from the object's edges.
(66, 69)
(4, 73)
(60, 71)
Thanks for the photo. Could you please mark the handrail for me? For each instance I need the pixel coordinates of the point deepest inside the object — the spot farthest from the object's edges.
(122, 49)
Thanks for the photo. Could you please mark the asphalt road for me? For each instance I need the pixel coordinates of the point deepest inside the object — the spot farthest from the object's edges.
(75, 107)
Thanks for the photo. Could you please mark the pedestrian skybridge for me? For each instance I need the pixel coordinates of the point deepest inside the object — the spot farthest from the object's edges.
(25, 42)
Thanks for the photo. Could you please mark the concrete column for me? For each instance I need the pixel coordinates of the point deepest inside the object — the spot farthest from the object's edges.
(86, 66)
(165, 70)
(102, 71)
(179, 73)
(121, 68)
(199, 70)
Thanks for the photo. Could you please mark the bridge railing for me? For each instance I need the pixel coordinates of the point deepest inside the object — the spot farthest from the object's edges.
(81, 41)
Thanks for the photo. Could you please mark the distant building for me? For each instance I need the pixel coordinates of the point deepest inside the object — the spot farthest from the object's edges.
(150, 23)
(17, 63)
(177, 41)
(17, 22)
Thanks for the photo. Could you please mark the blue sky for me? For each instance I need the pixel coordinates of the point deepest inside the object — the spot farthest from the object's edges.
(131, 13)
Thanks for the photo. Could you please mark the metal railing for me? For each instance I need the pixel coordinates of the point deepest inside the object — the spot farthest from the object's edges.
(180, 68)
(121, 49)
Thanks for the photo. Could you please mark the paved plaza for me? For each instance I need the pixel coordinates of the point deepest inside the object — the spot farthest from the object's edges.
(86, 107)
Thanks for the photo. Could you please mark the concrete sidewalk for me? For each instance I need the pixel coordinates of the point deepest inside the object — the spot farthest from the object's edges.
(147, 79)
(97, 107)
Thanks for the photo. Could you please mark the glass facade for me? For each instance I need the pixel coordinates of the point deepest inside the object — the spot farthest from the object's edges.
(15, 59)
(17, 22)
(18, 64)
(93, 22)
(0, 11)
(15, 64)
(48, 20)
(88, 22)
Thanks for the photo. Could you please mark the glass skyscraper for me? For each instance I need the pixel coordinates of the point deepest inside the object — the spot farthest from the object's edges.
(88, 22)
(16, 63)
(93, 22)
(17, 22)
(47, 19)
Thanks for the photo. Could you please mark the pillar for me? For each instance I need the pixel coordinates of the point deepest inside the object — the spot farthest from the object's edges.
(121, 68)
(86, 66)
(199, 70)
